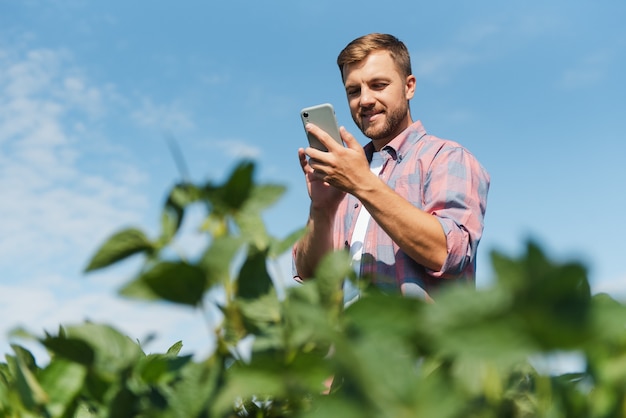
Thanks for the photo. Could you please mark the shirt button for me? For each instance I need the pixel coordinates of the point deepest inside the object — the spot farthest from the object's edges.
(356, 205)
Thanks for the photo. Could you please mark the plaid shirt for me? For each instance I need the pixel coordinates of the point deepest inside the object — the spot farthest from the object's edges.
(441, 178)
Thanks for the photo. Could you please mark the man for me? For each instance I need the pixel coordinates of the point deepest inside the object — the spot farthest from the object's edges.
(408, 205)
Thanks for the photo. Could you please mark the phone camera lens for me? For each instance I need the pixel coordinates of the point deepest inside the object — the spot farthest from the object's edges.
(305, 114)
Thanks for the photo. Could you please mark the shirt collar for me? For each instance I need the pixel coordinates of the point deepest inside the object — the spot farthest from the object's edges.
(399, 146)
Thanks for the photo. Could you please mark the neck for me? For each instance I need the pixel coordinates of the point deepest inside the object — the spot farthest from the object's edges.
(380, 143)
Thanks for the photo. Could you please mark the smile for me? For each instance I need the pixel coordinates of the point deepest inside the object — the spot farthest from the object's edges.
(369, 117)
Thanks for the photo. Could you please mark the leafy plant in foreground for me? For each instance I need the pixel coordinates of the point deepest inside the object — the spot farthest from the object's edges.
(470, 354)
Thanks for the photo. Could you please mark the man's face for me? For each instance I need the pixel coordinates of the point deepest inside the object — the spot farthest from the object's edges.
(378, 97)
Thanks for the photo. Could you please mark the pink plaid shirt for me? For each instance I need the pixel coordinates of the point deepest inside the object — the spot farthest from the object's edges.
(440, 177)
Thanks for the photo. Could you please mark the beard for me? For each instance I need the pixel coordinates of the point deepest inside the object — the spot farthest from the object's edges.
(387, 128)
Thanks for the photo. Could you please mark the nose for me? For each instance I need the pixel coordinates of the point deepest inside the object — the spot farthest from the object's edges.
(367, 97)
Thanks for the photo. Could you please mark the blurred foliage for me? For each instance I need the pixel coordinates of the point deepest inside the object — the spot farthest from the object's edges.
(469, 354)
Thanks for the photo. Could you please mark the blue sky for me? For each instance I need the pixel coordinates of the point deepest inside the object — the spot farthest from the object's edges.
(89, 91)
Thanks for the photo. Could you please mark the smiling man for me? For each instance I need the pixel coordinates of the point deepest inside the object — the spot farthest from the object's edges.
(408, 206)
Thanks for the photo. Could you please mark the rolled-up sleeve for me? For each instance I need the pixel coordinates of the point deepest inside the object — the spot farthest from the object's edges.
(455, 191)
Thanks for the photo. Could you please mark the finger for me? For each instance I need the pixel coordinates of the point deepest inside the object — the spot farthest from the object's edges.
(302, 158)
(319, 175)
(314, 164)
(315, 154)
(322, 135)
(349, 139)
(304, 161)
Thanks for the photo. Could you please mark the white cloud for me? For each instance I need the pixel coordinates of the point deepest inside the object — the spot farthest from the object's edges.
(238, 149)
(161, 116)
(55, 207)
(65, 189)
(47, 310)
(80, 95)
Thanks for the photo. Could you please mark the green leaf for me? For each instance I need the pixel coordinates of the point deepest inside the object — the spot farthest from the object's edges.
(239, 186)
(5, 377)
(174, 350)
(329, 276)
(121, 245)
(333, 406)
(171, 219)
(262, 316)
(252, 229)
(25, 356)
(138, 289)
(254, 279)
(280, 247)
(196, 388)
(263, 309)
(475, 324)
(183, 194)
(229, 198)
(249, 217)
(307, 322)
(29, 389)
(377, 314)
(218, 257)
(112, 350)
(72, 349)
(379, 356)
(180, 196)
(124, 404)
(176, 282)
(262, 197)
(245, 383)
(63, 381)
(157, 368)
(509, 272)
(559, 314)
(609, 321)
(553, 299)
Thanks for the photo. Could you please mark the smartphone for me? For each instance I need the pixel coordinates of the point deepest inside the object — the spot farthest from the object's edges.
(322, 115)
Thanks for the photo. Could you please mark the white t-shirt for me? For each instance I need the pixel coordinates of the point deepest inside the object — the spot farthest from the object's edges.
(350, 291)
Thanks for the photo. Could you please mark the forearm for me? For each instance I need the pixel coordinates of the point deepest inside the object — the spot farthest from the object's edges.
(316, 242)
(418, 233)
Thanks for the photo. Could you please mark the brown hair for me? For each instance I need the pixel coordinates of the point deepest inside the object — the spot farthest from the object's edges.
(360, 48)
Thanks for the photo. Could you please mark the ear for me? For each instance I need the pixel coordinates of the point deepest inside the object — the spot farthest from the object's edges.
(409, 87)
